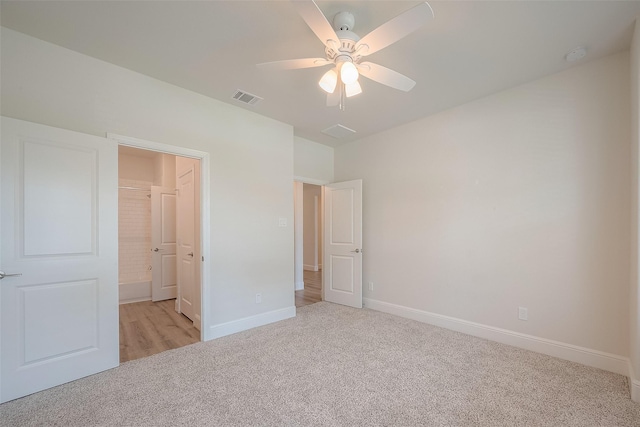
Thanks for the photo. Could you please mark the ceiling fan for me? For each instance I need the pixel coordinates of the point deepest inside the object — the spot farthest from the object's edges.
(345, 50)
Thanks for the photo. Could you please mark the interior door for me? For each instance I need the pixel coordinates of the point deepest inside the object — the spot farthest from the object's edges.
(185, 229)
(59, 251)
(342, 261)
(163, 241)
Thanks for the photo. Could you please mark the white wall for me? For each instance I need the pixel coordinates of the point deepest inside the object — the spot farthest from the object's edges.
(165, 170)
(134, 226)
(517, 199)
(134, 241)
(136, 167)
(313, 162)
(635, 216)
(251, 162)
(298, 211)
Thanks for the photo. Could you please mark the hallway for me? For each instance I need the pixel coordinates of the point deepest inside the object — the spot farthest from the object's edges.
(148, 328)
(312, 291)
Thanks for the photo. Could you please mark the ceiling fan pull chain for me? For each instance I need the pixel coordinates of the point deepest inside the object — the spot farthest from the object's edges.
(343, 99)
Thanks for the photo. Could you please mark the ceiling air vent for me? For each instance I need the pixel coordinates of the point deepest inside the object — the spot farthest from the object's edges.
(338, 131)
(246, 98)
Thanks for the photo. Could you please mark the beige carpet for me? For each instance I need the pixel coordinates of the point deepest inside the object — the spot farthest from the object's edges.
(337, 366)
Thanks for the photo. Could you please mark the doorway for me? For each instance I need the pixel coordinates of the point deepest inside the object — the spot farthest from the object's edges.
(159, 262)
(308, 234)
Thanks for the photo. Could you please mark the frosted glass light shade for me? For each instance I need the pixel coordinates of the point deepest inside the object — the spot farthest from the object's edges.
(329, 81)
(348, 73)
(352, 89)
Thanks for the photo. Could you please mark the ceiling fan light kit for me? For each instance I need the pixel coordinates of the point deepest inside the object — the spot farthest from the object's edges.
(329, 81)
(344, 49)
(352, 89)
(348, 73)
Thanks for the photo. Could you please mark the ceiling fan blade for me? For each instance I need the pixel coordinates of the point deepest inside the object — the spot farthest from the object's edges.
(333, 99)
(395, 29)
(292, 64)
(384, 75)
(316, 20)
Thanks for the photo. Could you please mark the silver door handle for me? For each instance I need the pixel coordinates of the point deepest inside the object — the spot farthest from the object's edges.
(357, 251)
(3, 275)
(190, 254)
(157, 249)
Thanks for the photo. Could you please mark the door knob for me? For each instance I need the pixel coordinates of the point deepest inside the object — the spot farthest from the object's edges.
(190, 254)
(157, 249)
(3, 275)
(357, 251)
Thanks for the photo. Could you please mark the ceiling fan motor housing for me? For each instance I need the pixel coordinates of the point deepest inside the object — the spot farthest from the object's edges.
(343, 21)
(344, 48)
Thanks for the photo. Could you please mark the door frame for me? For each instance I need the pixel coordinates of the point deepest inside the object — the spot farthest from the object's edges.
(298, 216)
(205, 213)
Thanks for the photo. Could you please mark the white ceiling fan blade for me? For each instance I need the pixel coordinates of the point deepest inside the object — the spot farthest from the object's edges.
(333, 99)
(292, 64)
(316, 20)
(384, 75)
(395, 29)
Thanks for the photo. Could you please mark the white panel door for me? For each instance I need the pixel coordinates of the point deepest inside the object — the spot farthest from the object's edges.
(163, 241)
(185, 229)
(59, 230)
(342, 261)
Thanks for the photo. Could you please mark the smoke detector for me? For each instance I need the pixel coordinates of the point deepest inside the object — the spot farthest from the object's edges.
(576, 54)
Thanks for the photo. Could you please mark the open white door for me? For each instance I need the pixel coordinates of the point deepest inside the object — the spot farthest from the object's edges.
(163, 241)
(187, 175)
(342, 261)
(59, 251)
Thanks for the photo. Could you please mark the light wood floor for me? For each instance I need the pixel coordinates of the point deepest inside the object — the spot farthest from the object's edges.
(312, 291)
(148, 328)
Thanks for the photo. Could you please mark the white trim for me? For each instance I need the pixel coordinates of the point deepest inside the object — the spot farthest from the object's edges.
(310, 267)
(298, 242)
(586, 356)
(156, 146)
(310, 180)
(634, 384)
(134, 292)
(228, 328)
(299, 286)
(205, 211)
(134, 300)
(315, 232)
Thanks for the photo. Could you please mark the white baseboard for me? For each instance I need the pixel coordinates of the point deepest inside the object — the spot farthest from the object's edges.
(228, 328)
(299, 286)
(134, 292)
(597, 359)
(634, 384)
(310, 267)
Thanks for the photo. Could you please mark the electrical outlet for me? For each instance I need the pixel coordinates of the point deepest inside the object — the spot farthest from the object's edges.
(258, 298)
(522, 313)
(371, 286)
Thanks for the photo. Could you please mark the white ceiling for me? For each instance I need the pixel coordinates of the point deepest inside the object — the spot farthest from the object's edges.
(471, 49)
